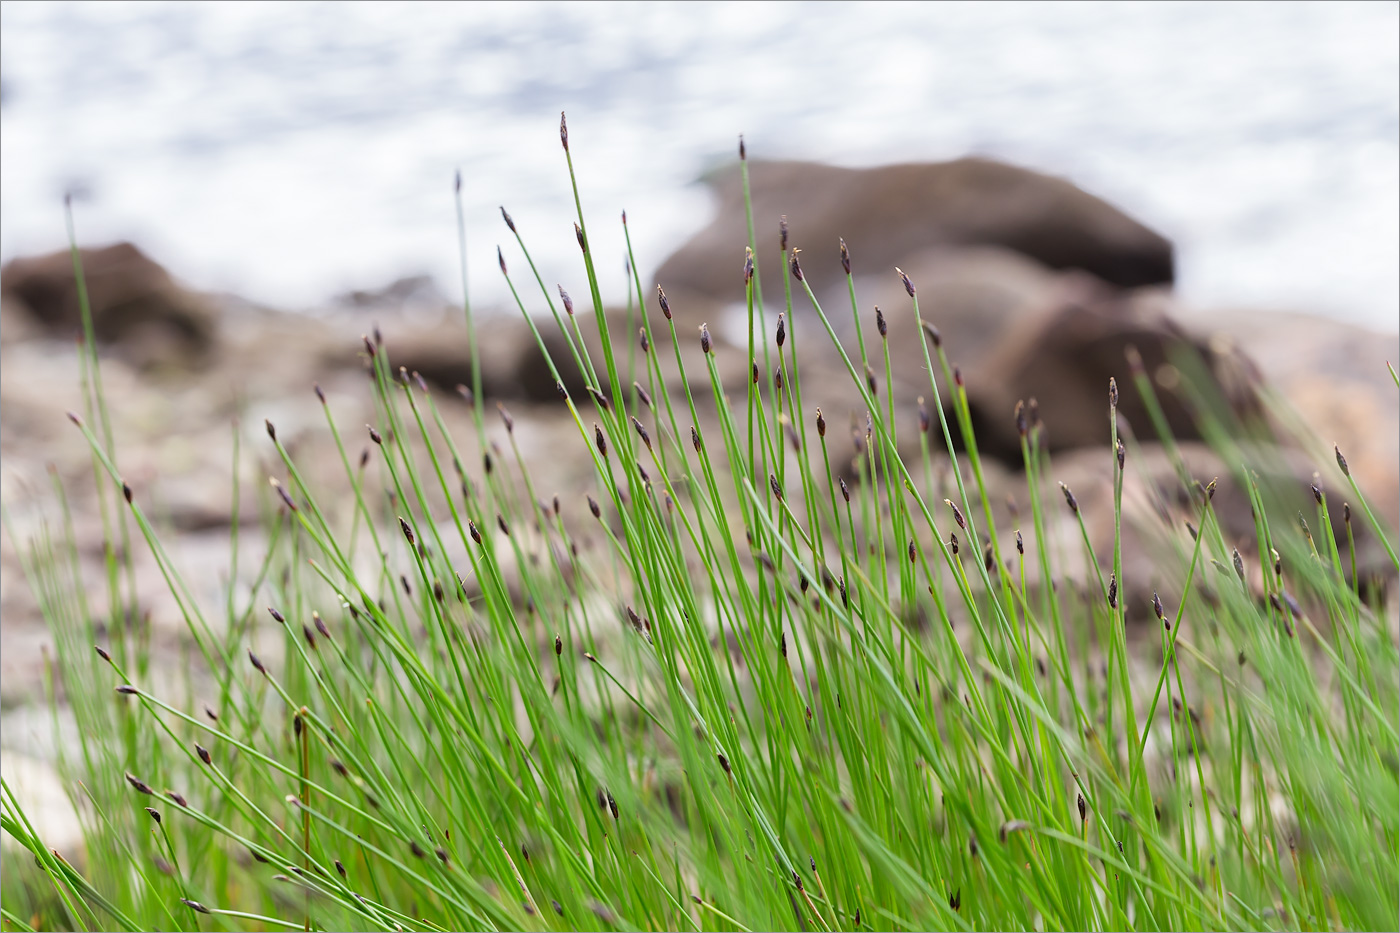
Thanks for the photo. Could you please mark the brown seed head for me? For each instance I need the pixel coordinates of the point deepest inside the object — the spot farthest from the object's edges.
(1072, 502)
(782, 330)
(641, 432)
(845, 258)
(593, 507)
(908, 285)
(796, 265)
(407, 531)
(821, 424)
(563, 131)
(783, 233)
(203, 754)
(705, 343)
(568, 302)
(600, 440)
(934, 335)
(139, 785)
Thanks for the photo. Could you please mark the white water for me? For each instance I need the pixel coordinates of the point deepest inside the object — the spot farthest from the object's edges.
(291, 152)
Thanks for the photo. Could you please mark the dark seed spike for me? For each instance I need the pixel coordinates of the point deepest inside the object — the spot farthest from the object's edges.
(257, 664)
(1072, 502)
(695, 438)
(196, 906)
(568, 302)
(705, 343)
(1341, 461)
(1083, 809)
(777, 488)
(925, 421)
(934, 335)
(957, 514)
(563, 131)
(103, 653)
(795, 264)
(821, 424)
(594, 508)
(501, 260)
(600, 440)
(743, 152)
(880, 324)
(1020, 544)
(748, 266)
(139, 785)
(203, 754)
(407, 531)
(845, 257)
(908, 285)
(783, 233)
(582, 242)
(1113, 591)
(782, 329)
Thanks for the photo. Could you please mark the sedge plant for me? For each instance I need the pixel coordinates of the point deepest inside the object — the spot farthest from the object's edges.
(771, 699)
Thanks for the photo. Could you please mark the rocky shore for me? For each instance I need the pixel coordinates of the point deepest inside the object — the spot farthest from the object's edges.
(1037, 288)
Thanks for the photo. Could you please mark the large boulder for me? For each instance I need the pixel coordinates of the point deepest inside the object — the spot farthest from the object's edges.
(890, 215)
(1064, 358)
(136, 305)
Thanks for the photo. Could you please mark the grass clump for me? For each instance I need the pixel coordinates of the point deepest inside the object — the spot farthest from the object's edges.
(454, 718)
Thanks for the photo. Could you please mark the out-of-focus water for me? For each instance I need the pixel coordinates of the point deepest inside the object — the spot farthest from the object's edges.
(292, 151)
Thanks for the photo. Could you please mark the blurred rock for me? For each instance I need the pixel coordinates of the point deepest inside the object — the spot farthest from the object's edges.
(136, 305)
(890, 215)
(1064, 358)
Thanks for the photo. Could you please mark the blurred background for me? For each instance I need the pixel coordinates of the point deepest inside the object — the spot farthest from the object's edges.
(292, 152)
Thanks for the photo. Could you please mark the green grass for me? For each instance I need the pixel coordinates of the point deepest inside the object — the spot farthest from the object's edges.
(730, 716)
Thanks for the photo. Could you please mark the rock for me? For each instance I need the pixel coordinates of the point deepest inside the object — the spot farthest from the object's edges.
(135, 303)
(1334, 377)
(411, 292)
(890, 215)
(1064, 359)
